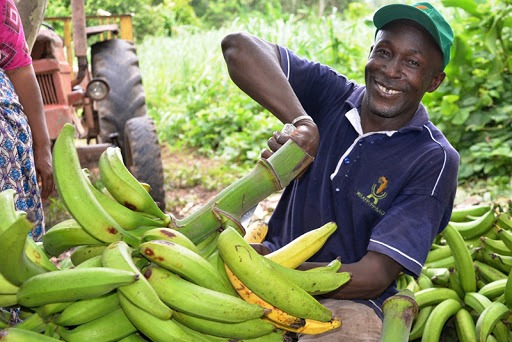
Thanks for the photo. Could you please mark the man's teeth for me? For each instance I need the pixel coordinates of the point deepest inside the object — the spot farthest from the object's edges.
(387, 90)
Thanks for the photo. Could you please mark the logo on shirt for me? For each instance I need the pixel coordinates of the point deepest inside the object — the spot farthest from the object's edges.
(376, 194)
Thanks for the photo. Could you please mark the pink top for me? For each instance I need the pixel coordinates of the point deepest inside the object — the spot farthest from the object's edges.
(14, 51)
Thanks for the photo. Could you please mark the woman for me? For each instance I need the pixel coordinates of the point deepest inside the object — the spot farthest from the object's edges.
(25, 148)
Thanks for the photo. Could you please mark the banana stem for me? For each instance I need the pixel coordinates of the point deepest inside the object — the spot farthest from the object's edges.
(399, 312)
(268, 176)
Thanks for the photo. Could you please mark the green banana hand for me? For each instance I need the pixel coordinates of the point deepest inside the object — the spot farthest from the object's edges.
(250, 268)
(119, 255)
(65, 235)
(125, 188)
(74, 190)
(16, 267)
(85, 310)
(438, 318)
(110, 327)
(199, 301)
(462, 214)
(72, 284)
(476, 227)
(488, 319)
(156, 329)
(242, 330)
(18, 335)
(184, 262)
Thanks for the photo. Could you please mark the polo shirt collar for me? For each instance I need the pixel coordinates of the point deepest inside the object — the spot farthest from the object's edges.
(419, 119)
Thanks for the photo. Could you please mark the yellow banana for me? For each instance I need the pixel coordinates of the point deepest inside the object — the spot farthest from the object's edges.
(251, 268)
(199, 301)
(311, 327)
(303, 247)
(276, 315)
(256, 232)
(119, 255)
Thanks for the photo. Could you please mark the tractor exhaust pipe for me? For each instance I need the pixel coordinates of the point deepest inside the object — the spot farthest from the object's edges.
(79, 39)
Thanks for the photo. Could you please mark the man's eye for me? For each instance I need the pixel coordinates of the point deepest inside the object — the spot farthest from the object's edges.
(413, 63)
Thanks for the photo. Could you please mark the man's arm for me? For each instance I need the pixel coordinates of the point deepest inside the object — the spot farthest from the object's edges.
(25, 84)
(371, 276)
(254, 66)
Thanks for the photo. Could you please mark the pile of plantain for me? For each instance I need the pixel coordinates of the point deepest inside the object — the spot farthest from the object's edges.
(466, 282)
(135, 273)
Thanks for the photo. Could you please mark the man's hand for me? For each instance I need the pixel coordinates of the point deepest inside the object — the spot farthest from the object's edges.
(305, 135)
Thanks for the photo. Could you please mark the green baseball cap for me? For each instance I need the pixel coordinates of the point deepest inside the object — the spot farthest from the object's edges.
(424, 14)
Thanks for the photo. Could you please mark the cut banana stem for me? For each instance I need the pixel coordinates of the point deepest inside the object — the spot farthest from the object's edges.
(268, 176)
(399, 312)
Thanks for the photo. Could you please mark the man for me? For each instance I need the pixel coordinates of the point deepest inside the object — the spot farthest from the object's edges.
(382, 171)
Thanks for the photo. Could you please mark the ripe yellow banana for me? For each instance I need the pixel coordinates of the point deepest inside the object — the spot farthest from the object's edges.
(251, 328)
(125, 188)
(119, 255)
(86, 310)
(71, 285)
(184, 262)
(73, 189)
(154, 328)
(199, 301)
(274, 314)
(311, 327)
(302, 248)
(256, 232)
(462, 257)
(251, 268)
(438, 318)
(110, 327)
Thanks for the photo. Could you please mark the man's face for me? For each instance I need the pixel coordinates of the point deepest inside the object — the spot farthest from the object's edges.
(404, 63)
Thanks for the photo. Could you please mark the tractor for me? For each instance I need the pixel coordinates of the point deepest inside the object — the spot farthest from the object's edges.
(89, 76)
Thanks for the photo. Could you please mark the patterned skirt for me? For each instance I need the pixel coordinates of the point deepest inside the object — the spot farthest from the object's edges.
(17, 168)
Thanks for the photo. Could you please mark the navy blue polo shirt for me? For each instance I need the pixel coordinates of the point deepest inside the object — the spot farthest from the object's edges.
(390, 192)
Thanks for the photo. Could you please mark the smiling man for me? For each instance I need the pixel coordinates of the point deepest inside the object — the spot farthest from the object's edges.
(382, 170)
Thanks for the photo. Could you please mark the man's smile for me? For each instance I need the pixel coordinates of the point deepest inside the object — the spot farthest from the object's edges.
(386, 90)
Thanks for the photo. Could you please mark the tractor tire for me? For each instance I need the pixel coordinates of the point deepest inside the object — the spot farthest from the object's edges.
(143, 156)
(116, 62)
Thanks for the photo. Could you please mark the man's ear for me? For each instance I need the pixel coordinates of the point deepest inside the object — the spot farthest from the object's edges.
(436, 81)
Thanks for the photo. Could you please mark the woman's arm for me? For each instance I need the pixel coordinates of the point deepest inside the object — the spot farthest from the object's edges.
(26, 86)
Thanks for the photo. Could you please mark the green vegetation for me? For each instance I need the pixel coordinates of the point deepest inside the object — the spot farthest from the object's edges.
(196, 105)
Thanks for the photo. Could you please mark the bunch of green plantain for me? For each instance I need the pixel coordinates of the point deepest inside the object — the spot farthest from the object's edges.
(134, 273)
(465, 288)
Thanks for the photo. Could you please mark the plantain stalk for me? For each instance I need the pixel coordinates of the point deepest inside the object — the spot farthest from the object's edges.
(399, 312)
(267, 177)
